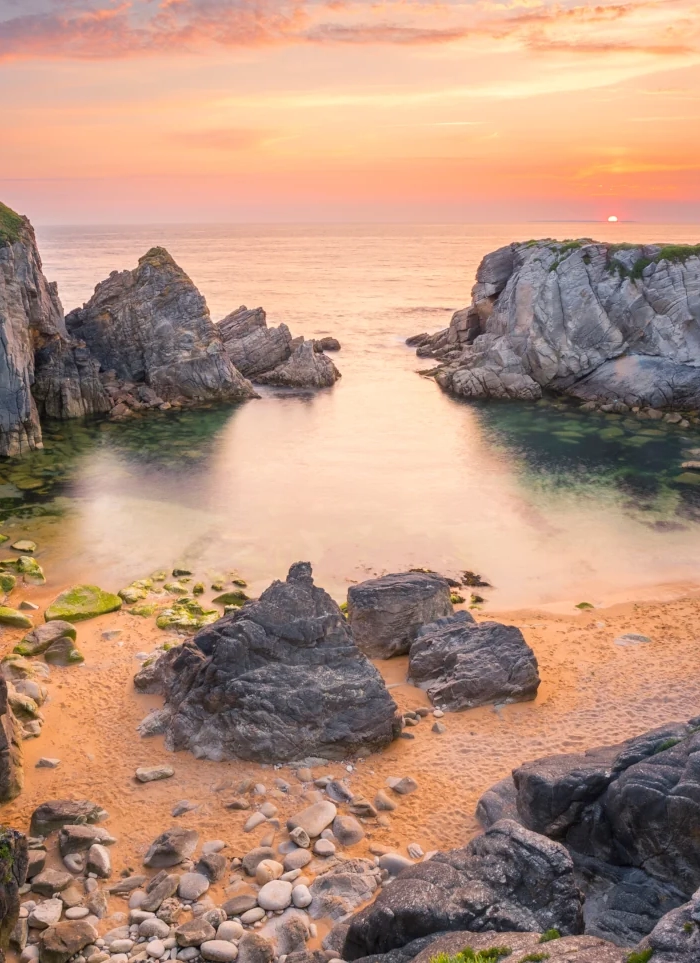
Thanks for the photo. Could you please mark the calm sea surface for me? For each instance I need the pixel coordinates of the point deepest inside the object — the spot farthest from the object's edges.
(383, 471)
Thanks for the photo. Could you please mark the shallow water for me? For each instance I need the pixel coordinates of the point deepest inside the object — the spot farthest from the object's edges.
(380, 473)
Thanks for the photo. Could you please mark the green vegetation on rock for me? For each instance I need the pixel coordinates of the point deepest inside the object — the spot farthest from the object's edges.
(7, 582)
(13, 618)
(232, 598)
(82, 602)
(26, 566)
(640, 956)
(136, 591)
(469, 955)
(550, 935)
(63, 652)
(456, 598)
(198, 588)
(144, 611)
(186, 614)
(11, 224)
(583, 606)
(534, 957)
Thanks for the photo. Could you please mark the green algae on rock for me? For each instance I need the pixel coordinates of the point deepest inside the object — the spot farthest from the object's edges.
(82, 602)
(39, 639)
(26, 566)
(136, 591)
(144, 611)
(7, 582)
(236, 598)
(186, 614)
(63, 652)
(13, 618)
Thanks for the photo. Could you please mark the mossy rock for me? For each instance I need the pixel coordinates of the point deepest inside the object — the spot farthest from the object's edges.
(175, 588)
(24, 545)
(159, 576)
(237, 598)
(4, 538)
(39, 639)
(180, 570)
(198, 588)
(144, 611)
(23, 707)
(218, 586)
(31, 570)
(17, 667)
(457, 599)
(688, 478)
(63, 652)
(240, 582)
(186, 614)
(82, 602)
(13, 618)
(7, 582)
(135, 592)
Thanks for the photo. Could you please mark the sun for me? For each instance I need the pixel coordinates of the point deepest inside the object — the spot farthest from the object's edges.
(612, 219)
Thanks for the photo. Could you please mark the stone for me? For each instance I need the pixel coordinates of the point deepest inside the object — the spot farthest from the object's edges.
(253, 347)
(127, 885)
(462, 664)
(25, 546)
(157, 892)
(386, 613)
(212, 865)
(155, 949)
(632, 638)
(39, 639)
(36, 860)
(343, 888)
(11, 770)
(98, 861)
(195, 932)
(575, 317)
(152, 327)
(324, 847)
(77, 912)
(305, 368)
(229, 930)
(47, 762)
(63, 652)
(676, 937)
(13, 873)
(46, 914)
(171, 848)
(192, 886)
(301, 897)
(297, 859)
(59, 943)
(347, 830)
(394, 863)
(252, 859)
(522, 947)
(154, 773)
(79, 838)
(154, 927)
(252, 916)
(13, 618)
(275, 895)
(254, 948)
(51, 881)
(383, 803)
(300, 837)
(314, 819)
(82, 602)
(57, 813)
(515, 877)
(267, 870)
(253, 821)
(327, 344)
(219, 951)
(224, 673)
(404, 786)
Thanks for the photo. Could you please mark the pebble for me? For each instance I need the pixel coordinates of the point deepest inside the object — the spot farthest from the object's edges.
(304, 775)
(276, 895)
(301, 896)
(383, 802)
(121, 946)
(213, 846)
(229, 930)
(192, 886)
(414, 851)
(439, 728)
(252, 916)
(259, 789)
(46, 914)
(154, 773)
(393, 863)
(314, 819)
(438, 713)
(324, 847)
(46, 762)
(154, 927)
(300, 837)
(74, 862)
(267, 870)
(188, 953)
(268, 810)
(219, 951)
(99, 861)
(155, 948)
(77, 912)
(297, 859)
(253, 822)
(182, 807)
(404, 787)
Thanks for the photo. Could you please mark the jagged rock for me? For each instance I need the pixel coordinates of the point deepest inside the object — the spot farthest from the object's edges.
(11, 771)
(462, 664)
(157, 672)
(63, 812)
(279, 680)
(343, 888)
(326, 344)
(253, 347)
(387, 613)
(305, 368)
(604, 322)
(151, 325)
(13, 873)
(676, 937)
(507, 879)
(35, 346)
(59, 943)
(171, 848)
(79, 839)
(39, 639)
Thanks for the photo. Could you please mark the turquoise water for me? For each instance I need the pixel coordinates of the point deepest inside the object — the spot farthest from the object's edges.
(380, 473)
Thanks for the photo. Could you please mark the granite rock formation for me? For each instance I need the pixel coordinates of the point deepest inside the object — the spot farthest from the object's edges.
(152, 326)
(13, 873)
(42, 371)
(611, 323)
(11, 771)
(508, 879)
(462, 664)
(279, 680)
(386, 614)
(305, 368)
(630, 816)
(253, 347)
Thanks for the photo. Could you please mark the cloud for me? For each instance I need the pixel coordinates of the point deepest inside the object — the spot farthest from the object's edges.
(226, 139)
(384, 33)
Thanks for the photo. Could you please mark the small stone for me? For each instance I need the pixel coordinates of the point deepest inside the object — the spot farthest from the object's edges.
(404, 787)
(393, 863)
(252, 916)
(314, 819)
(213, 846)
(51, 881)
(182, 807)
(267, 870)
(153, 927)
(253, 822)
(219, 951)
(268, 810)
(300, 837)
(98, 861)
(324, 847)
(46, 914)
(414, 851)
(383, 802)
(25, 546)
(192, 886)
(46, 762)
(301, 896)
(439, 728)
(347, 830)
(155, 949)
(297, 859)
(194, 932)
(154, 773)
(276, 895)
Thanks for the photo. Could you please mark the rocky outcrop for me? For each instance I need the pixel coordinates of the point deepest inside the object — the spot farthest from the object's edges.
(152, 326)
(386, 614)
(279, 680)
(41, 370)
(630, 816)
(13, 873)
(253, 347)
(612, 323)
(11, 772)
(508, 879)
(305, 368)
(462, 664)
(676, 937)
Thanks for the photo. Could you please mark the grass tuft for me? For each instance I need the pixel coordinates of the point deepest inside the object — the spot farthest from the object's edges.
(640, 956)
(10, 224)
(469, 955)
(550, 935)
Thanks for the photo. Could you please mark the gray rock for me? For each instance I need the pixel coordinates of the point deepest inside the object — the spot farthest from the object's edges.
(51, 881)
(343, 888)
(507, 879)
(171, 847)
(219, 951)
(387, 613)
(39, 639)
(676, 937)
(318, 696)
(394, 863)
(11, 771)
(404, 786)
(305, 368)
(59, 943)
(157, 672)
(253, 347)
(155, 927)
(154, 773)
(98, 861)
(314, 819)
(275, 895)
(603, 323)
(347, 830)
(195, 932)
(212, 865)
(192, 886)
(256, 856)
(161, 887)
(462, 664)
(46, 914)
(152, 326)
(64, 812)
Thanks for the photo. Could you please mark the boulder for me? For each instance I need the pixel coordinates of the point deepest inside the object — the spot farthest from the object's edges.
(387, 613)
(676, 937)
(462, 664)
(63, 652)
(82, 602)
(507, 879)
(607, 323)
(59, 943)
(171, 848)
(253, 347)
(11, 771)
(63, 812)
(279, 680)
(152, 326)
(343, 888)
(326, 344)
(39, 639)
(305, 368)
(194, 932)
(79, 839)
(157, 672)
(314, 819)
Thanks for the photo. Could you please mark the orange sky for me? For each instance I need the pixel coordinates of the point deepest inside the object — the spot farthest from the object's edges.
(274, 110)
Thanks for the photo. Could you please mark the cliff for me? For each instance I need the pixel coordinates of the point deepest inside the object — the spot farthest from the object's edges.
(611, 323)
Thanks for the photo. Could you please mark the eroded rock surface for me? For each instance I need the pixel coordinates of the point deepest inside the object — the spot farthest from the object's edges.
(305, 368)
(603, 322)
(280, 679)
(251, 345)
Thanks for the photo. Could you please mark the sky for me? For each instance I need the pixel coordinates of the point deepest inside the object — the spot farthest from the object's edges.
(152, 111)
